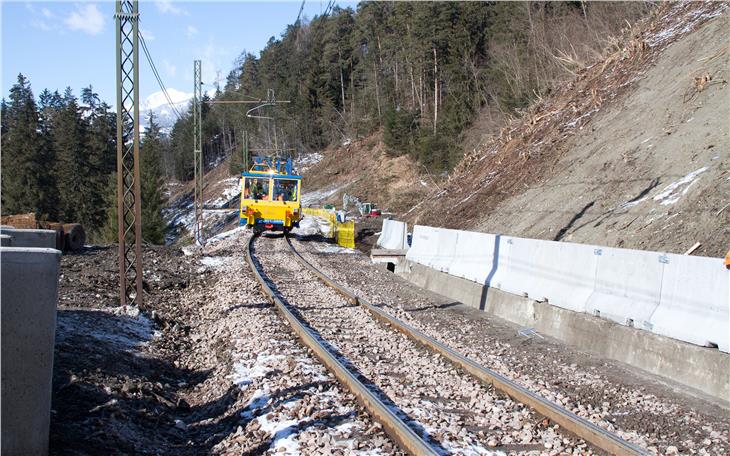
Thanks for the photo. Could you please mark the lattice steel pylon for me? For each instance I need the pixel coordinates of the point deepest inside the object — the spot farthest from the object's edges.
(129, 214)
(198, 152)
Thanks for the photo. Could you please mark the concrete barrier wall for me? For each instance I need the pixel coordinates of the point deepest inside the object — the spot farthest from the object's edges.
(393, 235)
(691, 365)
(678, 296)
(28, 312)
(31, 238)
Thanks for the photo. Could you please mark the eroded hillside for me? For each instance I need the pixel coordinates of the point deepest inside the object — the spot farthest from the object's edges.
(633, 153)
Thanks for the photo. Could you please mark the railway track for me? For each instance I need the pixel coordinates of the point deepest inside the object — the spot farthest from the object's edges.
(451, 418)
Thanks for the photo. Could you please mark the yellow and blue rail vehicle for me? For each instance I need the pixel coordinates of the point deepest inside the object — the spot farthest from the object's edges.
(270, 195)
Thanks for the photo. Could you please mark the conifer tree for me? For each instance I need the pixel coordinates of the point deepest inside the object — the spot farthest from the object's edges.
(100, 153)
(151, 185)
(24, 187)
(69, 137)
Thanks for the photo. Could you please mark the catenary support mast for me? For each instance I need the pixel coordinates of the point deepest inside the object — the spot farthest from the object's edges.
(198, 152)
(129, 214)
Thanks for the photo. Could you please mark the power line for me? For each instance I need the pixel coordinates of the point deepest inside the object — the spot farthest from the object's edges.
(157, 76)
(301, 8)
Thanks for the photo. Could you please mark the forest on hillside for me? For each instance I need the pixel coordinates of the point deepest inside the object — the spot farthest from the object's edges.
(59, 161)
(420, 72)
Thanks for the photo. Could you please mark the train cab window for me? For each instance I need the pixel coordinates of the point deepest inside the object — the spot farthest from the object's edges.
(285, 190)
(256, 188)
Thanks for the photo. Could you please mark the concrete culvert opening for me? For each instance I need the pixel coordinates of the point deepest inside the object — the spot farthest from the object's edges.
(391, 267)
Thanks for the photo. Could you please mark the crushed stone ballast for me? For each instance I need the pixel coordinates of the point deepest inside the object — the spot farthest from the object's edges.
(451, 431)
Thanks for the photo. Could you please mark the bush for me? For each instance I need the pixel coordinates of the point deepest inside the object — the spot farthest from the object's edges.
(400, 129)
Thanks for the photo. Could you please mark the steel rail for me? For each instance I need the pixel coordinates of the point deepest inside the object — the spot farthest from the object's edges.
(408, 440)
(601, 438)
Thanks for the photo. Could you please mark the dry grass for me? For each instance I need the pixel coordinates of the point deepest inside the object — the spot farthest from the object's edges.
(528, 146)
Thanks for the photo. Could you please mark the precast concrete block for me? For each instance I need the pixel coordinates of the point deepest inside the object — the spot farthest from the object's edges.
(694, 302)
(28, 312)
(393, 235)
(473, 256)
(559, 272)
(628, 286)
(445, 247)
(31, 238)
(423, 245)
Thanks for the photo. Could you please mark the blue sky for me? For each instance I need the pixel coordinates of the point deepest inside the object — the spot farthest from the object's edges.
(59, 44)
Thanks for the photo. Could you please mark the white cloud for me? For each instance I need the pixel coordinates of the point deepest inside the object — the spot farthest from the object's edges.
(147, 34)
(41, 25)
(87, 18)
(166, 6)
(41, 19)
(191, 31)
(214, 59)
(170, 69)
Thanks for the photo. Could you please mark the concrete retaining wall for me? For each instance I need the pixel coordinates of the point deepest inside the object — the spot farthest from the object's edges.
(697, 367)
(28, 312)
(31, 238)
(678, 296)
(393, 235)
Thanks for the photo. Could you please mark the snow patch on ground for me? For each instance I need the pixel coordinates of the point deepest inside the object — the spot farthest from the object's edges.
(127, 328)
(316, 197)
(216, 262)
(226, 234)
(334, 249)
(231, 190)
(306, 161)
(674, 191)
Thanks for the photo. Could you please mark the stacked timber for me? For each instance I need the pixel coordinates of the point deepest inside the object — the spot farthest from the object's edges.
(69, 236)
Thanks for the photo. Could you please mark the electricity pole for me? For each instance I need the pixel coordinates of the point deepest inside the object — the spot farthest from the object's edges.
(198, 152)
(129, 214)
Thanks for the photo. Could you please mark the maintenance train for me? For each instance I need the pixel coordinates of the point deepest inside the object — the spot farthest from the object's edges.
(270, 195)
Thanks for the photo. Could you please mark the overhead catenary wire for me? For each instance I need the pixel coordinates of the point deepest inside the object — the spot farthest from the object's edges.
(157, 76)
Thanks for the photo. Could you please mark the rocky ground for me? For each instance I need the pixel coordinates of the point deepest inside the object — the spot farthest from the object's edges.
(642, 409)
(204, 366)
(457, 413)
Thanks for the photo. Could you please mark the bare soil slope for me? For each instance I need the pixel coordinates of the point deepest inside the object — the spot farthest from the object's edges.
(363, 169)
(634, 153)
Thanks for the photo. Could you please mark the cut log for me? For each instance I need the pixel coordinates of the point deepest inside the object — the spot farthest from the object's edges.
(75, 236)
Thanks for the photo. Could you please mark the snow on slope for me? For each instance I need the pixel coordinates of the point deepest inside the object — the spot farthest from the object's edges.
(635, 152)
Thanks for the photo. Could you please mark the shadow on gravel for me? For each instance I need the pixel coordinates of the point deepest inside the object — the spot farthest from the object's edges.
(314, 238)
(104, 382)
(259, 305)
(420, 430)
(434, 307)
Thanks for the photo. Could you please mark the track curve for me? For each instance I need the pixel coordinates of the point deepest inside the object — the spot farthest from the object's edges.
(398, 430)
(600, 438)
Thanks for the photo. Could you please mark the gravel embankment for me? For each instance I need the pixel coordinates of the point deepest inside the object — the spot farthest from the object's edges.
(640, 408)
(207, 366)
(458, 413)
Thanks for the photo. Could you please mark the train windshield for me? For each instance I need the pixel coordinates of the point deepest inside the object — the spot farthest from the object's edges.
(256, 188)
(285, 190)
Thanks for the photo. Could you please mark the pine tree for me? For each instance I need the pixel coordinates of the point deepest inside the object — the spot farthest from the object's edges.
(25, 183)
(109, 231)
(69, 139)
(151, 185)
(100, 152)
